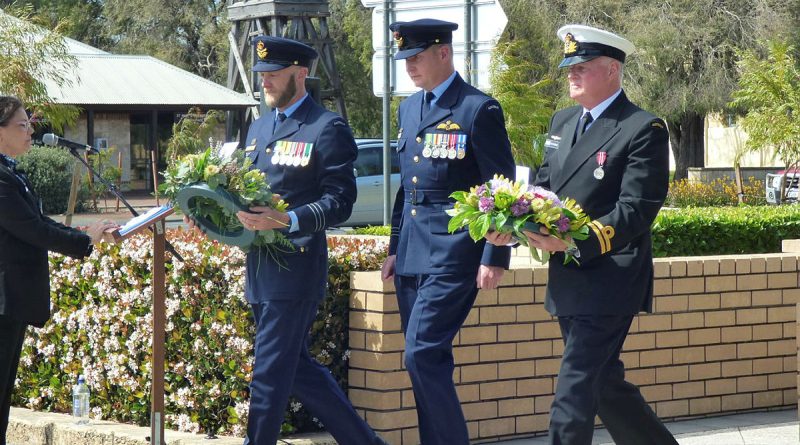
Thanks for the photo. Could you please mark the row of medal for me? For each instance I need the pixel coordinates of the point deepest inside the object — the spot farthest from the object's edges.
(445, 145)
(292, 153)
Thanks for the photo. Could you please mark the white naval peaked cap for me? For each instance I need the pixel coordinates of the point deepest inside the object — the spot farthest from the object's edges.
(583, 43)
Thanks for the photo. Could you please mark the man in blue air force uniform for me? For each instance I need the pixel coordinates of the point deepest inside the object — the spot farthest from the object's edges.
(452, 137)
(307, 153)
(612, 157)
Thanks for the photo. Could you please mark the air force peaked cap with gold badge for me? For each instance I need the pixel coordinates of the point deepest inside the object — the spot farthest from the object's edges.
(583, 43)
(416, 36)
(277, 53)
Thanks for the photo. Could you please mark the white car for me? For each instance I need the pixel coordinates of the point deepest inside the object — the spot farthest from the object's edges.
(368, 208)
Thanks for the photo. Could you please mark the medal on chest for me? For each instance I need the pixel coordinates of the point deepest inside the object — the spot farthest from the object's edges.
(601, 157)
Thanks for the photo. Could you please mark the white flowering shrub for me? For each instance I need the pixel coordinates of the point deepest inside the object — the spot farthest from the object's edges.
(101, 327)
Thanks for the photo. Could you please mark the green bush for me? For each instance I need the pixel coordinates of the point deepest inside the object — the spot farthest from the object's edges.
(50, 171)
(724, 230)
(720, 192)
(101, 327)
(372, 230)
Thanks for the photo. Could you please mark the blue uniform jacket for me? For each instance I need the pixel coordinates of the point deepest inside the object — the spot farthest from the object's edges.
(316, 179)
(469, 126)
(631, 148)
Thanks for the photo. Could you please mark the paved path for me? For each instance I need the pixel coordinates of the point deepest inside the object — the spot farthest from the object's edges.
(762, 428)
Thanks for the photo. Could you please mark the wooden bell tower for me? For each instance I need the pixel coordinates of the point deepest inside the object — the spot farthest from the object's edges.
(302, 20)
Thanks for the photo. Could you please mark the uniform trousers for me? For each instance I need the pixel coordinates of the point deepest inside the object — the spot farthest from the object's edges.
(12, 335)
(432, 310)
(592, 382)
(284, 367)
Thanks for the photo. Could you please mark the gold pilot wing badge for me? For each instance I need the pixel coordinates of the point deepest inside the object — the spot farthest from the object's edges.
(448, 126)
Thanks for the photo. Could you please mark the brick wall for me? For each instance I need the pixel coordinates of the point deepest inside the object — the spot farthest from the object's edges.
(721, 339)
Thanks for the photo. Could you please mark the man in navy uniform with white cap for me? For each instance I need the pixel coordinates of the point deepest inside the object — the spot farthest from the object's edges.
(307, 153)
(613, 158)
(452, 137)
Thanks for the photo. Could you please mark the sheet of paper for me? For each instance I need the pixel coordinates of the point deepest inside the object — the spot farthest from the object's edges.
(143, 219)
(523, 174)
(227, 150)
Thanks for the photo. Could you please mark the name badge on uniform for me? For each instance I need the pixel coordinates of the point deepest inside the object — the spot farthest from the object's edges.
(551, 143)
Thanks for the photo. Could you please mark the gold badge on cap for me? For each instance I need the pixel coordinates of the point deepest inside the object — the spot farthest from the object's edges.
(398, 38)
(261, 49)
(570, 45)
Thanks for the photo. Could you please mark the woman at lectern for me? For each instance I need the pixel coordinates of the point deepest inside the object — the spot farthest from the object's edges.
(26, 235)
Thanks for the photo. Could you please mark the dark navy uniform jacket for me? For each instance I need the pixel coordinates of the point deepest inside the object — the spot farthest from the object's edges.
(316, 179)
(615, 275)
(25, 237)
(464, 120)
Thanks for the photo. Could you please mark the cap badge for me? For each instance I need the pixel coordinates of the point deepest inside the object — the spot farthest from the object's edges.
(261, 49)
(570, 45)
(398, 39)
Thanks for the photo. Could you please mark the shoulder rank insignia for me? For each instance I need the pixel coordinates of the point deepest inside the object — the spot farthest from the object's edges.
(448, 126)
(604, 235)
(657, 124)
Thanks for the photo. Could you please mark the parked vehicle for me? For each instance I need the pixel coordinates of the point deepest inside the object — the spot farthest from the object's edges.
(368, 208)
(773, 186)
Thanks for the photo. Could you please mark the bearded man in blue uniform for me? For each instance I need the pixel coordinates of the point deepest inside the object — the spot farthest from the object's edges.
(307, 153)
(612, 157)
(452, 137)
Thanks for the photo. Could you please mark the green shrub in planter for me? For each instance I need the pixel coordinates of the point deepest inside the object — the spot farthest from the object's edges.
(50, 171)
(724, 230)
(372, 230)
(101, 327)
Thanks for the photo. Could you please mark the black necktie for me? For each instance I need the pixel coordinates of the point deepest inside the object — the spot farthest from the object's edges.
(281, 118)
(583, 124)
(426, 104)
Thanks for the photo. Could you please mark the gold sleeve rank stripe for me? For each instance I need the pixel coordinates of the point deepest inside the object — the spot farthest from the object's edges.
(604, 235)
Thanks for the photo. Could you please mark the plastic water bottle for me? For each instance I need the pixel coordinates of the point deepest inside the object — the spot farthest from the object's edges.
(80, 401)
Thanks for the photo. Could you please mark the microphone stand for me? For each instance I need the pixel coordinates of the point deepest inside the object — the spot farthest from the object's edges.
(113, 189)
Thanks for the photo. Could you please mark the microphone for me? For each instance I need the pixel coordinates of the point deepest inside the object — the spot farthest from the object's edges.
(53, 140)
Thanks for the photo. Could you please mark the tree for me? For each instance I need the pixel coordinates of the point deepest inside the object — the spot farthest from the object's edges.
(769, 89)
(350, 26)
(29, 56)
(81, 20)
(190, 34)
(685, 64)
(527, 110)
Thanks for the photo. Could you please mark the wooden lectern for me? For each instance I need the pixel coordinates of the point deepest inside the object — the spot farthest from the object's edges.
(154, 219)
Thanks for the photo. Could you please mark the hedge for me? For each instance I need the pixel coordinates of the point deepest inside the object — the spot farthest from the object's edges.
(50, 171)
(101, 327)
(724, 230)
(711, 230)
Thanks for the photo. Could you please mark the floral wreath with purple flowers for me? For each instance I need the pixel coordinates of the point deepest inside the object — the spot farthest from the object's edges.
(508, 206)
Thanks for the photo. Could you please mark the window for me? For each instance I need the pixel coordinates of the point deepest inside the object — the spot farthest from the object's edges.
(370, 160)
